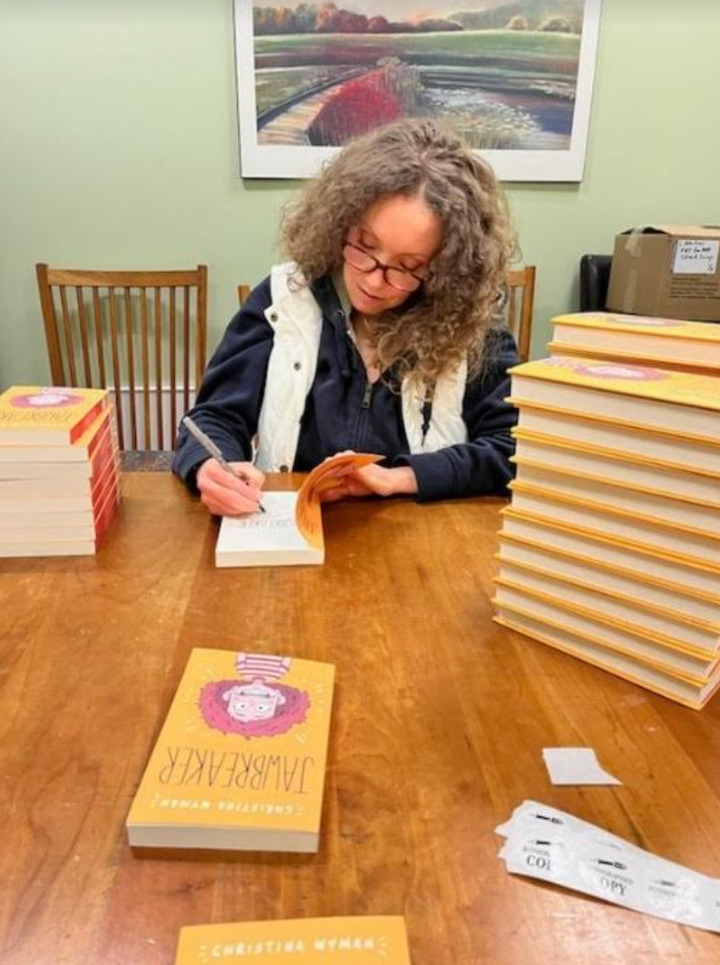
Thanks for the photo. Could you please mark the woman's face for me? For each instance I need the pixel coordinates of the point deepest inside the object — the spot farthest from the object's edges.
(400, 232)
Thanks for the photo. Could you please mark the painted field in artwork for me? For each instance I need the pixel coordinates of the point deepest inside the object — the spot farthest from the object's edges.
(502, 89)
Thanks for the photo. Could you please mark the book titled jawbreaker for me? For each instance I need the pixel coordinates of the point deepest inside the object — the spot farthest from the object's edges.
(240, 760)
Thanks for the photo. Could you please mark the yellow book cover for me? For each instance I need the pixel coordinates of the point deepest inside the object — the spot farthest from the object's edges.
(325, 941)
(240, 760)
(34, 415)
(662, 385)
(671, 328)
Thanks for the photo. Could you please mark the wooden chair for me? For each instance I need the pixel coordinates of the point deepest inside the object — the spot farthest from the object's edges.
(519, 307)
(243, 292)
(144, 331)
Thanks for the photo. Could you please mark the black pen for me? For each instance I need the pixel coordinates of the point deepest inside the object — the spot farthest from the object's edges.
(212, 450)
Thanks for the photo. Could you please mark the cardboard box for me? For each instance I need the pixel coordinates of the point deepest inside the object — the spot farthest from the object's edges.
(667, 271)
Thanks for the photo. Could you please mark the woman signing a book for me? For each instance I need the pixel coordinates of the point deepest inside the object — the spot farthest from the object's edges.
(379, 336)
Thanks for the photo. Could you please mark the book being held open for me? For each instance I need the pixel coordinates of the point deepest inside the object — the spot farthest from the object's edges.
(289, 532)
(240, 760)
(312, 941)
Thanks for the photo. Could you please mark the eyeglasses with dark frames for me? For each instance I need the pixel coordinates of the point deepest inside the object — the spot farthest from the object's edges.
(401, 279)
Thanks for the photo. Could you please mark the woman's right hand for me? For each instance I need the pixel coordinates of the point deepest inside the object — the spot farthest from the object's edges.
(226, 495)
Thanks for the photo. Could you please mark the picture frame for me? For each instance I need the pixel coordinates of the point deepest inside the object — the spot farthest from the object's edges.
(520, 93)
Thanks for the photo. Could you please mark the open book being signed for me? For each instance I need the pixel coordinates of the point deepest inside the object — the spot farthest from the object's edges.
(289, 532)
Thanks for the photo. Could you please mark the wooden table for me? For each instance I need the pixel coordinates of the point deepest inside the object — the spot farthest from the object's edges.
(439, 721)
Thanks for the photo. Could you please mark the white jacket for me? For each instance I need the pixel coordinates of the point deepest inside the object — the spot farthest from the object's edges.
(297, 322)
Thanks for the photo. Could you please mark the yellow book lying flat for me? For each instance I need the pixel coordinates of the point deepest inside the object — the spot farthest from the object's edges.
(658, 341)
(325, 941)
(240, 760)
(676, 666)
(624, 471)
(87, 455)
(619, 442)
(595, 548)
(652, 626)
(36, 416)
(673, 403)
(644, 590)
(613, 497)
(667, 541)
(618, 664)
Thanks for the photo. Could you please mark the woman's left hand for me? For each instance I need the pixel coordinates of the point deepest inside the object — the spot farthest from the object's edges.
(373, 481)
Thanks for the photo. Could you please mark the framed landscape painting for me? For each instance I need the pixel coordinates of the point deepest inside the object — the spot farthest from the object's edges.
(514, 78)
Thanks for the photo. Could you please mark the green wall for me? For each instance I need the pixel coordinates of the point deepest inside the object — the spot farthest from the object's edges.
(118, 149)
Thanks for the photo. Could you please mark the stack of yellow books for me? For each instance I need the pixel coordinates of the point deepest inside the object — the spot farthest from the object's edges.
(59, 487)
(639, 340)
(610, 550)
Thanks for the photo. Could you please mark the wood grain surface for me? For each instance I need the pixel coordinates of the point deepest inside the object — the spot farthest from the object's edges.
(438, 726)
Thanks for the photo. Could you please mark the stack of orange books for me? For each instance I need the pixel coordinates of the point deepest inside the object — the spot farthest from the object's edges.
(59, 486)
(610, 550)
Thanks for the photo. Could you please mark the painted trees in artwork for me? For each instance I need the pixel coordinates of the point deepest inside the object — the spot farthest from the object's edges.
(328, 18)
(557, 25)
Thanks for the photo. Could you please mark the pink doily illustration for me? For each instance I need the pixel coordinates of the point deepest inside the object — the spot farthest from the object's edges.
(610, 370)
(46, 399)
(646, 320)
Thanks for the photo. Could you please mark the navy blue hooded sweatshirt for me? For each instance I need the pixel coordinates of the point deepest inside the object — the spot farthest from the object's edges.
(343, 411)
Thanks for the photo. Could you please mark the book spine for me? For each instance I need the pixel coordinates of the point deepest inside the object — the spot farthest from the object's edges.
(87, 420)
(101, 458)
(103, 433)
(106, 483)
(106, 516)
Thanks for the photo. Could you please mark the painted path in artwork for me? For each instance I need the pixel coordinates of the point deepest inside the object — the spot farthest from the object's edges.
(292, 125)
(539, 120)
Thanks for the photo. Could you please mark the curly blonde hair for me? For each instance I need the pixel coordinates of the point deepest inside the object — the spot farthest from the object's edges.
(447, 319)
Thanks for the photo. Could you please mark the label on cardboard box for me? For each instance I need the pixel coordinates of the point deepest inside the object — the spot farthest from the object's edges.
(695, 256)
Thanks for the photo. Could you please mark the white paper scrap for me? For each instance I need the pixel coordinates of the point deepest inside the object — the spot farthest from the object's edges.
(575, 765)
